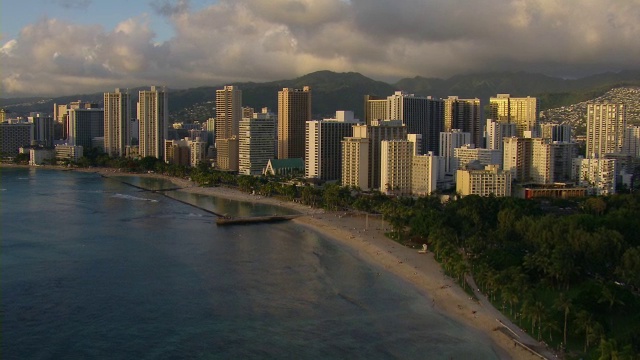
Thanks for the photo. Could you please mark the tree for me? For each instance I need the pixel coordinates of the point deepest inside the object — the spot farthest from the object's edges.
(608, 349)
(585, 324)
(564, 304)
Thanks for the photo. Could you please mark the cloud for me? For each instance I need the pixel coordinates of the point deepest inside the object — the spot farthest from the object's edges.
(261, 40)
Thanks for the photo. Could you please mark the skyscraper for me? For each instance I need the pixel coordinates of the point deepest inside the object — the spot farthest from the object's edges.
(256, 142)
(463, 114)
(511, 110)
(324, 144)
(228, 116)
(153, 112)
(396, 161)
(606, 124)
(375, 108)
(84, 126)
(355, 162)
(421, 115)
(117, 120)
(496, 131)
(294, 110)
(448, 142)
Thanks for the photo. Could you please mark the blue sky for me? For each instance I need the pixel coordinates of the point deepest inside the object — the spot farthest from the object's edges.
(58, 47)
(16, 14)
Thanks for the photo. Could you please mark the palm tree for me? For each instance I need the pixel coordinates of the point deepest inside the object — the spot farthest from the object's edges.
(587, 325)
(608, 349)
(564, 303)
(510, 295)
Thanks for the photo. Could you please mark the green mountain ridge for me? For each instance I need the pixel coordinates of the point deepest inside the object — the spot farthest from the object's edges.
(333, 91)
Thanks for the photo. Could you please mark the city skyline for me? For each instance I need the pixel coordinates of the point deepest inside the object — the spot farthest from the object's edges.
(89, 46)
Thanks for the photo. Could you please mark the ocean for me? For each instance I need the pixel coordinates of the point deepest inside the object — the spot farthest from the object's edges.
(92, 268)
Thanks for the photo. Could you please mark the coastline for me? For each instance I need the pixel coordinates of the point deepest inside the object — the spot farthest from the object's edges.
(365, 235)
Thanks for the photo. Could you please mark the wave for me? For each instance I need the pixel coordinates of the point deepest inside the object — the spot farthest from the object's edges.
(3, 189)
(129, 197)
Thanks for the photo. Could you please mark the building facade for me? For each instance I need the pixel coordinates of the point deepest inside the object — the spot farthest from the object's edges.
(117, 122)
(606, 123)
(464, 115)
(84, 126)
(523, 112)
(421, 115)
(355, 162)
(396, 160)
(490, 181)
(255, 142)
(323, 159)
(294, 110)
(153, 113)
(597, 175)
(449, 141)
(425, 173)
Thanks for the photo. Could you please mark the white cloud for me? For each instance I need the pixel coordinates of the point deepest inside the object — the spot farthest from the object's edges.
(260, 40)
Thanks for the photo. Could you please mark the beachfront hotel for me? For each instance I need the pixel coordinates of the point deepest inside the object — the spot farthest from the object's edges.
(228, 116)
(425, 173)
(512, 110)
(117, 120)
(378, 131)
(153, 113)
(294, 110)
(395, 166)
(255, 142)
(84, 126)
(355, 162)
(324, 144)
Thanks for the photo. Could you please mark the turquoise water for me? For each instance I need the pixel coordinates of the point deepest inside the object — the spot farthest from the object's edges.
(94, 268)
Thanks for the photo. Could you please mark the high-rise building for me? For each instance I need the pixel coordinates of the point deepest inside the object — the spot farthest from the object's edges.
(490, 181)
(43, 126)
(228, 116)
(13, 137)
(421, 115)
(324, 145)
(117, 122)
(375, 108)
(517, 154)
(465, 115)
(495, 132)
(449, 141)
(153, 113)
(631, 144)
(563, 154)
(376, 132)
(556, 132)
(177, 152)
(396, 160)
(84, 126)
(294, 110)
(542, 161)
(597, 175)
(211, 131)
(425, 173)
(606, 123)
(355, 162)
(197, 151)
(511, 110)
(255, 142)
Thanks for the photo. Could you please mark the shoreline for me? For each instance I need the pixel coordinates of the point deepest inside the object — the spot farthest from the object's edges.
(365, 235)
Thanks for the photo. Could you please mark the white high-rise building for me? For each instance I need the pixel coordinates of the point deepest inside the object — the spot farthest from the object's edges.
(153, 108)
(450, 141)
(396, 160)
(324, 144)
(256, 142)
(197, 151)
(425, 173)
(597, 175)
(606, 123)
(117, 122)
(495, 132)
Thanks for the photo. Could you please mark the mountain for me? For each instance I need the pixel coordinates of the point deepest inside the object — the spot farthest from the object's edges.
(344, 91)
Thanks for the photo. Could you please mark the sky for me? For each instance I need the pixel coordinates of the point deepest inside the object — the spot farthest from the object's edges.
(63, 47)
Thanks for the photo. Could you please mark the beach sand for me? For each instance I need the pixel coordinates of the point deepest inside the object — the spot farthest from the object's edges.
(366, 235)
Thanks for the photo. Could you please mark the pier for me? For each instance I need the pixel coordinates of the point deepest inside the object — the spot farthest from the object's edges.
(225, 220)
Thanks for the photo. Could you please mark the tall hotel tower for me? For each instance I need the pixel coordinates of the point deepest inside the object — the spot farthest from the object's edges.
(421, 115)
(463, 114)
(117, 117)
(153, 112)
(510, 110)
(228, 116)
(294, 110)
(606, 123)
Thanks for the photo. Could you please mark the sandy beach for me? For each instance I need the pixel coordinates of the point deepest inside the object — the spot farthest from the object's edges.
(365, 235)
